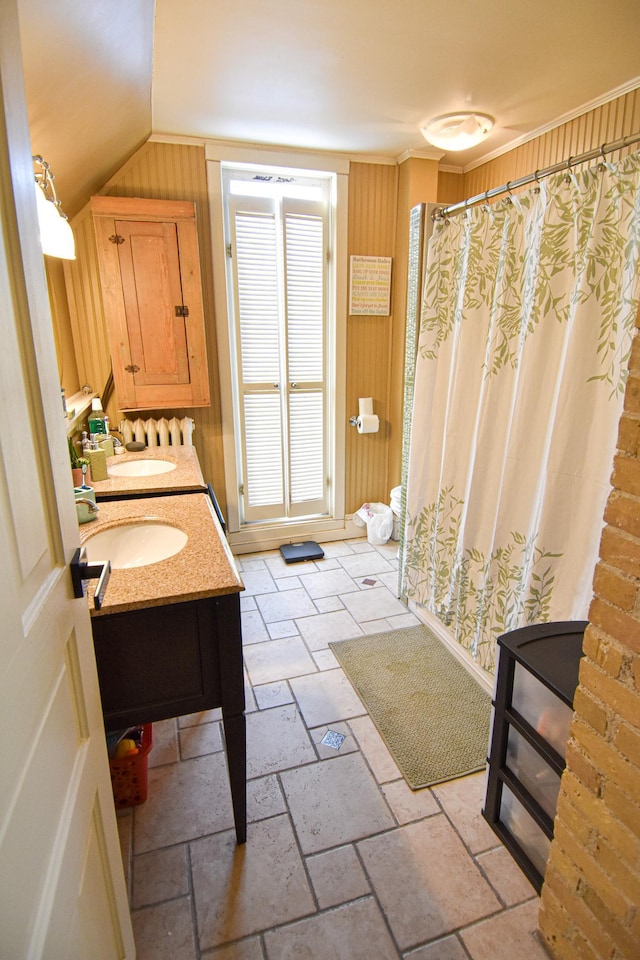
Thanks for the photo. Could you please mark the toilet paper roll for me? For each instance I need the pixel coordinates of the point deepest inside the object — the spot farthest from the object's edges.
(368, 423)
(365, 406)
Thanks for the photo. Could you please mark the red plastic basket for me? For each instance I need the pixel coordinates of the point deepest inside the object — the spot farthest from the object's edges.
(129, 774)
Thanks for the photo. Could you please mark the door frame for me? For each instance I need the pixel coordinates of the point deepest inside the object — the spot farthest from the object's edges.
(269, 534)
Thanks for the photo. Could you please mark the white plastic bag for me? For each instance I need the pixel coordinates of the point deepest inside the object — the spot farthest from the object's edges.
(378, 518)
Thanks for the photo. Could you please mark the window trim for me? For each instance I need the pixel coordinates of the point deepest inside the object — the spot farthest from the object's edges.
(266, 534)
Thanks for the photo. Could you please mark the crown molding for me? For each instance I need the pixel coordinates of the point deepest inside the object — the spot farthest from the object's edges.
(424, 153)
(212, 144)
(185, 141)
(558, 122)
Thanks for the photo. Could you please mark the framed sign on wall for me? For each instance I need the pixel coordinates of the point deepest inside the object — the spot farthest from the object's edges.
(370, 286)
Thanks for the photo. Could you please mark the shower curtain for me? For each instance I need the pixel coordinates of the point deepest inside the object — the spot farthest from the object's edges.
(528, 314)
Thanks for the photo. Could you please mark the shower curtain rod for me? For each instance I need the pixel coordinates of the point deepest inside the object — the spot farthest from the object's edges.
(442, 213)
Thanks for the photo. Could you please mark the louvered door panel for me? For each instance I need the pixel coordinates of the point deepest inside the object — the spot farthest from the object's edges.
(278, 266)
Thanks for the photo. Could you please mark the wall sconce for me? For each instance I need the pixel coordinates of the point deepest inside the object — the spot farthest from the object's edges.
(457, 131)
(56, 235)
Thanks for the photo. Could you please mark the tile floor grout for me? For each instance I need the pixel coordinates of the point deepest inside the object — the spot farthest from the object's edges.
(192, 922)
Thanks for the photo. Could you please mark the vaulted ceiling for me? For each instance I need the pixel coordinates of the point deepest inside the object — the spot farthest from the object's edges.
(339, 75)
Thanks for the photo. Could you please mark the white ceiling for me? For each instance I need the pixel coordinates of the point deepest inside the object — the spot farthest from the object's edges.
(340, 75)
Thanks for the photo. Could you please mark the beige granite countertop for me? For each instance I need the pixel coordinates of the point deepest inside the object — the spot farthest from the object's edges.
(205, 567)
(186, 476)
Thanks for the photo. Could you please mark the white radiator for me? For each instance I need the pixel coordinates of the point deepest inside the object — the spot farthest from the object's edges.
(158, 433)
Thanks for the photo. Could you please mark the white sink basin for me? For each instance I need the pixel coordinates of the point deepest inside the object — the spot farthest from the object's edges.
(135, 544)
(140, 468)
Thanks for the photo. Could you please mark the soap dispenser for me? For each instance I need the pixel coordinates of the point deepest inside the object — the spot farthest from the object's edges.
(98, 461)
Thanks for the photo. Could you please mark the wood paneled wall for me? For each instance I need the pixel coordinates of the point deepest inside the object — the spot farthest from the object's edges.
(373, 192)
(157, 171)
(376, 208)
(604, 124)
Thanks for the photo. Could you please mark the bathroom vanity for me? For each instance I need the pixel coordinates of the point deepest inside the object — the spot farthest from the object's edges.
(167, 636)
(159, 471)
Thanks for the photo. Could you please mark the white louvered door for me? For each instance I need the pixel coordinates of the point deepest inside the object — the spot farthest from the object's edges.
(278, 249)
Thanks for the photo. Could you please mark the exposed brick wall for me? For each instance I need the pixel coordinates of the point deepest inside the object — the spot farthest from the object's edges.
(590, 906)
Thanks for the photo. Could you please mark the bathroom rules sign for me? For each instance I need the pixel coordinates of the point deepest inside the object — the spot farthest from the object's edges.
(370, 286)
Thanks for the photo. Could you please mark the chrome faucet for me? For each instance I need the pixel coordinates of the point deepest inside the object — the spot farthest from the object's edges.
(93, 507)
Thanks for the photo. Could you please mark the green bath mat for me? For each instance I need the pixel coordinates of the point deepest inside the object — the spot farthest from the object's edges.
(433, 716)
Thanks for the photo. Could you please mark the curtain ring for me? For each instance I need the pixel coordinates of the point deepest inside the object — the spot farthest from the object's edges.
(536, 177)
(509, 199)
(602, 166)
(567, 176)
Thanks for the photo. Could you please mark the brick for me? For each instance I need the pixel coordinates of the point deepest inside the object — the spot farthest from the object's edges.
(626, 470)
(606, 758)
(622, 806)
(564, 867)
(620, 872)
(619, 590)
(580, 765)
(570, 914)
(634, 353)
(627, 741)
(620, 550)
(616, 929)
(629, 435)
(590, 710)
(582, 828)
(632, 395)
(622, 699)
(603, 650)
(606, 901)
(595, 812)
(623, 512)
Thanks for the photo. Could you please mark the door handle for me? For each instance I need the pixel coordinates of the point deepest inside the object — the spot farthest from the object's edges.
(82, 571)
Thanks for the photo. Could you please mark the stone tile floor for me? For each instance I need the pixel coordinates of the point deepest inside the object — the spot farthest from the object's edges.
(343, 861)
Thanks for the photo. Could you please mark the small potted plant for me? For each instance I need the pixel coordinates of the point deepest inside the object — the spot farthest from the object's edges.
(79, 466)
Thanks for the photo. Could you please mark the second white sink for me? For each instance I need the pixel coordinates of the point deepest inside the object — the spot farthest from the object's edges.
(140, 468)
(135, 544)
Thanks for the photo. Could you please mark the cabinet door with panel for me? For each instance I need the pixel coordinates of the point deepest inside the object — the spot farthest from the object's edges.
(152, 297)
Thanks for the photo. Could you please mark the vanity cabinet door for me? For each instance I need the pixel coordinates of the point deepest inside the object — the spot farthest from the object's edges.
(150, 279)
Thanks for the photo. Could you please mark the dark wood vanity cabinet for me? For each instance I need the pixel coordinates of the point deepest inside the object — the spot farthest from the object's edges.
(532, 711)
(174, 659)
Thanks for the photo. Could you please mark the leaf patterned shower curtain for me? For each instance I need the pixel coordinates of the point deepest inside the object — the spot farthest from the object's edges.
(528, 314)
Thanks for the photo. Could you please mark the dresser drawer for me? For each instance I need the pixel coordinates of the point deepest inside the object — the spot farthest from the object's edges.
(533, 772)
(525, 831)
(541, 708)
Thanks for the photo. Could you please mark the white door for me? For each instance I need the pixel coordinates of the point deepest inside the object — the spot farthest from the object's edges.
(62, 891)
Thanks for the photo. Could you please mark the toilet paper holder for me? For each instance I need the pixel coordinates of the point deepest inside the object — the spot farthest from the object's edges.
(366, 421)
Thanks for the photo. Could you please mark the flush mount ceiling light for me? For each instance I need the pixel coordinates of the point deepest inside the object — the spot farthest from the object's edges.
(457, 131)
(56, 236)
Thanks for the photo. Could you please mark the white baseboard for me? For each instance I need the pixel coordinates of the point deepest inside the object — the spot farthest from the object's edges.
(484, 678)
(260, 537)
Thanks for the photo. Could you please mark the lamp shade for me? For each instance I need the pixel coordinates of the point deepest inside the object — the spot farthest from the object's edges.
(457, 131)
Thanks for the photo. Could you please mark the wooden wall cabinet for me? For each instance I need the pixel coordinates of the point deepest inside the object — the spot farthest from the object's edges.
(152, 297)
